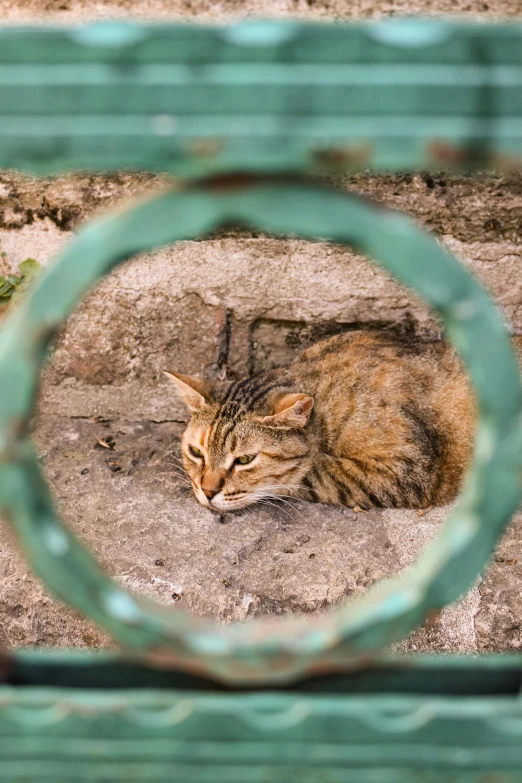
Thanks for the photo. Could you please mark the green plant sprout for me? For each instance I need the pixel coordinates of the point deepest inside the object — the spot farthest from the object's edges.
(13, 286)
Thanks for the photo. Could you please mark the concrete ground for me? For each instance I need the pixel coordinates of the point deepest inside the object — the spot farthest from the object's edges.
(132, 506)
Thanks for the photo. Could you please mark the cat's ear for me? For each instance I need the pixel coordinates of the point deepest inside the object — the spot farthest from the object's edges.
(290, 411)
(195, 392)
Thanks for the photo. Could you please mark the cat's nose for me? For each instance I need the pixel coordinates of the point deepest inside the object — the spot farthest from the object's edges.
(212, 482)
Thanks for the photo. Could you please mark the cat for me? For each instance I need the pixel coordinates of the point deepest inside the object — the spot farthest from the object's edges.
(360, 419)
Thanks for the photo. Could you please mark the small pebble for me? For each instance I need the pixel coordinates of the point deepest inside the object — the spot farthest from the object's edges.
(113, 464)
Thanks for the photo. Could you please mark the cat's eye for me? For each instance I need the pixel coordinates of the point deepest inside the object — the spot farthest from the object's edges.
(196, 452)
(245, 459)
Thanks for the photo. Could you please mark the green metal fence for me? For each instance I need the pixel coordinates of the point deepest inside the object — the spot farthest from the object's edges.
(248, 114)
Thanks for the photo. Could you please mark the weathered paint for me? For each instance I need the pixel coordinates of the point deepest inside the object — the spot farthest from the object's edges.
(263, 96)
(445, 719)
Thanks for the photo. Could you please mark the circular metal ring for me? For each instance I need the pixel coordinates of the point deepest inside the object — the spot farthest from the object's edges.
(268, 649)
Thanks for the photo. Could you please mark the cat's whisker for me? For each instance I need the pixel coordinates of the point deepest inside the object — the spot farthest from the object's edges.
(168, 453)
(184, 483)
(268, 492)
(294, 509)
(265, 502)
(291, 496)
(176, 461)
(179, 471)
(176, 481)
(283, 500)
(272, 500)
(165, 456)
(284, 486)
(181, 476)
(290, 489)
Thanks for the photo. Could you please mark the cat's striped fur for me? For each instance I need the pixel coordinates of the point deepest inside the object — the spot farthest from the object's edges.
(361, 419)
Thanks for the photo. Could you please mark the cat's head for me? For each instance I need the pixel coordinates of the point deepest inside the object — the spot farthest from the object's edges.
(245, 440)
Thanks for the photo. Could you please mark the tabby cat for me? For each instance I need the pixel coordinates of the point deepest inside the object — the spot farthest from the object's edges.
(360, 419)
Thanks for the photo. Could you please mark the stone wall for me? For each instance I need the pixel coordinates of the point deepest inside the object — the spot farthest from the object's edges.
(241, 302)
(71, 11)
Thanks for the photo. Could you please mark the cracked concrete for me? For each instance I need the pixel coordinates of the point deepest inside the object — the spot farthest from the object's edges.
(196, 308)
(286, 557)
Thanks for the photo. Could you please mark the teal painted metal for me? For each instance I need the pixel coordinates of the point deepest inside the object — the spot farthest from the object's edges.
(262, 96)
(274, 650)
(105, 720)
